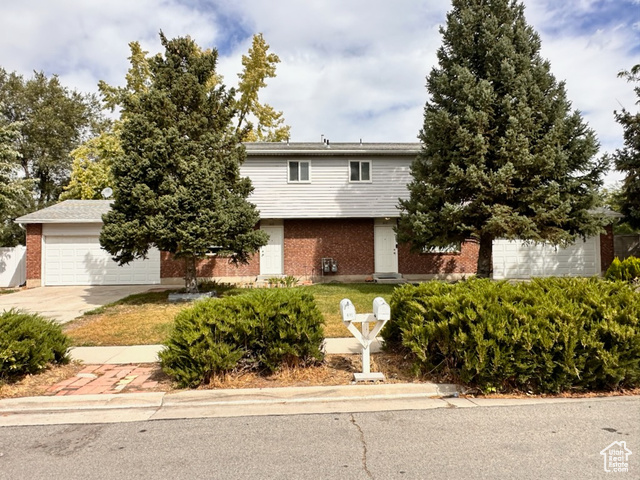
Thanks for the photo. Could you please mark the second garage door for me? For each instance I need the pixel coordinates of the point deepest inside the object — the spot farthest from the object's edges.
(515, 259)
(79, 260)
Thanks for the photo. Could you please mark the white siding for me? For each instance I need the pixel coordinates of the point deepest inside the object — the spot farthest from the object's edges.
(329, 194)
(517, 259)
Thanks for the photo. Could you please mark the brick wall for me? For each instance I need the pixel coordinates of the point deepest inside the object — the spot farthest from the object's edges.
(436, 263)
(348, 241)
(606, 248)
(34, 254)
(209, 267)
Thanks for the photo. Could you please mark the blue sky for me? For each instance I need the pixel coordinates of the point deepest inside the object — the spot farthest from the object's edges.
(349, 69)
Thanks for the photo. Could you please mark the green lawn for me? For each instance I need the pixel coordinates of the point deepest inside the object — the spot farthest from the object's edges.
(147, 318)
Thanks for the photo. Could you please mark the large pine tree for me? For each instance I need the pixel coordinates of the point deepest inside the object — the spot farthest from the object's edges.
(178, 184)
(503, 154)
(627, 159)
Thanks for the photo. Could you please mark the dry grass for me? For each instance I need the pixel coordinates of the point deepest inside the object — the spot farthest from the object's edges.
(335, 370)
(145, 324)
(147, 318)
(36, 385)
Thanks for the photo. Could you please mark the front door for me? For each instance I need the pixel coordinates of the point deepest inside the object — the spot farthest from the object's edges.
(386, 249)
(271, 254)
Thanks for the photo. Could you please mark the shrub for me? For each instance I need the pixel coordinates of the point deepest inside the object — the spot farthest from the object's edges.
(627, 270)
(547, 335)
(28, 343)
(263, 329)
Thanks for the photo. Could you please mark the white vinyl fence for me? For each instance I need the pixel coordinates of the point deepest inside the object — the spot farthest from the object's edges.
(13, 266)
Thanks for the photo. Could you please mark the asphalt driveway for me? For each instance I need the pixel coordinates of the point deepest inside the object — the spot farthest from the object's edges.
(63, 304)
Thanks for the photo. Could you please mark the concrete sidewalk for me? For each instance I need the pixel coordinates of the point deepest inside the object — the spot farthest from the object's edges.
(149, 353)
(117, 408)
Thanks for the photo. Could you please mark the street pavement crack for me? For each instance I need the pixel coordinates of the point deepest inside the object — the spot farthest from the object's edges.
(364, 447)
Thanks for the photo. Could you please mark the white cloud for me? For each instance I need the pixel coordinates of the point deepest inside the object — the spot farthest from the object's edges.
(350, 69)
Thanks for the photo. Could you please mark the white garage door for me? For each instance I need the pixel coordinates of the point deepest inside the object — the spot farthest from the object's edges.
(515, 259)
(79, 260)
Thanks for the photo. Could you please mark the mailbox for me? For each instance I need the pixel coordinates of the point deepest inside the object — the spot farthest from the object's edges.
(347, 310)
(381, 309)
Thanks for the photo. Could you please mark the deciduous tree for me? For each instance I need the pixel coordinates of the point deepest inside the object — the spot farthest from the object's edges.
(15, 192)
(258, 65)
(503, 154)
(53, 121)
(178, 183)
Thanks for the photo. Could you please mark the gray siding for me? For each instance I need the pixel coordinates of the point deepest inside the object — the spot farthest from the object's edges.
(329, 193)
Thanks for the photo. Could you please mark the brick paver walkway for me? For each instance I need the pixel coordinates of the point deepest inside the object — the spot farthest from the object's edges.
(106, 379)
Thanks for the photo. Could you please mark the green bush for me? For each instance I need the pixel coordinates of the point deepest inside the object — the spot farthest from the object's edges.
(547, 335)
(262, 329)
(28, 343)
(627, 270)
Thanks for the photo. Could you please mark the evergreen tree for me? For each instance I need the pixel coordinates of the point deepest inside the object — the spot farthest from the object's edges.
(627, 159)
(503, 155)
(177, 181)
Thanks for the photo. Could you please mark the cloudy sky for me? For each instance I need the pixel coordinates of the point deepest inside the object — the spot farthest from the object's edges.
(349, 69)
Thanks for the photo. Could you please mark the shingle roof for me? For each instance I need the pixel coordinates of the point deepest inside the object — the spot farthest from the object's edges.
(334, 149)
(69, 211)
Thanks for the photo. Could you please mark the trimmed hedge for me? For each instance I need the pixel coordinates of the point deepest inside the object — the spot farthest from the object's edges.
(263, 329)
(547, 335)
(28, 343)
(627, 270)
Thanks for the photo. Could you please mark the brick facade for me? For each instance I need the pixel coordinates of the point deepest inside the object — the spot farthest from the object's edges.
(34, 254)
(348, 241)
(209, 267)
(606, 248)
(464, 262)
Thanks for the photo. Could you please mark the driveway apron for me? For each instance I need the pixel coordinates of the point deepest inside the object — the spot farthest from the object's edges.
(63, 304)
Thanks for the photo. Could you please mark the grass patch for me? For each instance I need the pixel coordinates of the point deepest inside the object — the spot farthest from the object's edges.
(328, 296)
(147, 318)
(139, 324)
(7, 290)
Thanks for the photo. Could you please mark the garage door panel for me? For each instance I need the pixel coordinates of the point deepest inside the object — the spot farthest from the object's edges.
(516, 259)
(81, 261)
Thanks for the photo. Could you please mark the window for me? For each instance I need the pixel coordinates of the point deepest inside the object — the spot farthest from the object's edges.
(299, 171)
(450, 249)
(360, 171)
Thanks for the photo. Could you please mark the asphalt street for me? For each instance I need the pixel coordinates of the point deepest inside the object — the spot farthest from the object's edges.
(544, 441)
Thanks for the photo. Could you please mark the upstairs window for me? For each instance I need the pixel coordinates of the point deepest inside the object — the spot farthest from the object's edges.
(299, 172)
(359, 171)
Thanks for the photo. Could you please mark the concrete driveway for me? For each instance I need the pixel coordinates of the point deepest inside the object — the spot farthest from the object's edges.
(63, 304)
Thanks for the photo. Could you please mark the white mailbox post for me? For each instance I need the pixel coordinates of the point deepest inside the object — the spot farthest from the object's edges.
(381, 315)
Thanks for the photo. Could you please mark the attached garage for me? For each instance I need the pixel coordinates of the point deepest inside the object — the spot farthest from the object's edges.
(79, 260)
(517, 259)
(67, 250)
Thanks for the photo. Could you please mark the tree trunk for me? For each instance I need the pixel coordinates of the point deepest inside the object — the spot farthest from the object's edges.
(485, 257)
(190, 278)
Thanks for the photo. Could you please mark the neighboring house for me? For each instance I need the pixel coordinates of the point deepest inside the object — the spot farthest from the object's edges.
(329, 210)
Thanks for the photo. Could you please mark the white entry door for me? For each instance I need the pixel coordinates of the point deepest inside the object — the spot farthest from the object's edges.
(386, 249)
(271, 258)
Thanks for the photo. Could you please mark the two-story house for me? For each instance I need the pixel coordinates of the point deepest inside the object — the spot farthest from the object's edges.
(330, 210)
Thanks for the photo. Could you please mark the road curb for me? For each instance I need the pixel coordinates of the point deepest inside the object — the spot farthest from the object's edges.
(129, 407)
